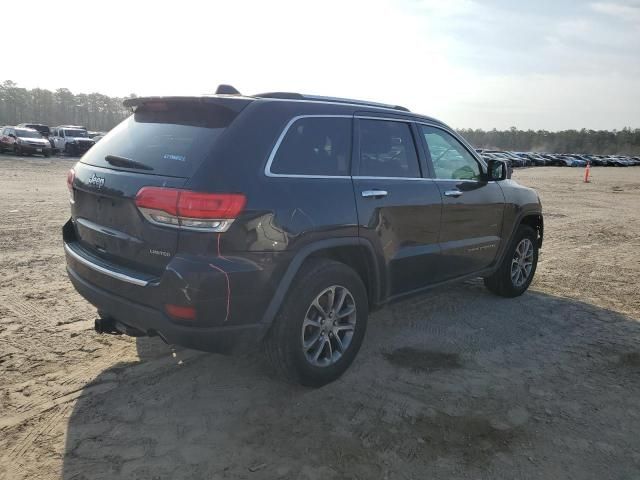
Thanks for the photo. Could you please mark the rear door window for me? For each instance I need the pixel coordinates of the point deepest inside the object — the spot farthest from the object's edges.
(170, 139)
(317, 146)
(387, 149)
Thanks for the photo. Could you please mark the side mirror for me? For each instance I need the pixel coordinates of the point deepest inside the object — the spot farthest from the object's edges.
(12, 135)
(497, 170)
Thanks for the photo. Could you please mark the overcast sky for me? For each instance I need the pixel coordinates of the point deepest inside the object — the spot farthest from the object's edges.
(551, 64)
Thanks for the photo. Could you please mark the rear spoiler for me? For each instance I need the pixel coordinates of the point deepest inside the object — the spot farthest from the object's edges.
(234, 102)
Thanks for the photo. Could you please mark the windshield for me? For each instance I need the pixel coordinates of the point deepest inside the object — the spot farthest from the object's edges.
(173, 141)
(40, 128)
(27, 133)
(75, 133)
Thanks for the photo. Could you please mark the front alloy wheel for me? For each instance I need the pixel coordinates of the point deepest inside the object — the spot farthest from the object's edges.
(522, 262)
(515, 273)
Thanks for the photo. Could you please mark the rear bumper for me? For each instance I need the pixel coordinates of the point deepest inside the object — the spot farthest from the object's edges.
(221, 339)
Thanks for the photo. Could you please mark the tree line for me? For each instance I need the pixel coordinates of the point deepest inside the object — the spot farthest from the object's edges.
(60, 107)
(596, 142)
(101, 112)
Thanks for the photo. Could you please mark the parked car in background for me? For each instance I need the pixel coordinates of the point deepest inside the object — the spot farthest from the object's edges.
(44, 130)
(574, 160)
(520, 159)
(24, 141)
(72, 140)
(95, 136)
(511, 158)
(488, 156)
(602, 161)
(591, 159)
(555, 160)
(613, 161)
(498, 156)
(536, 159)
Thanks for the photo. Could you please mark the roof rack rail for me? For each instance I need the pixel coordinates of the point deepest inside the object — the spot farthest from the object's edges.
(318, 98)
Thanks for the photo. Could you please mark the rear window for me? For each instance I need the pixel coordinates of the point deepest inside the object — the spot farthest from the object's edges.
(168, 139)
(75, 133)
(40, 128)
(315, 146)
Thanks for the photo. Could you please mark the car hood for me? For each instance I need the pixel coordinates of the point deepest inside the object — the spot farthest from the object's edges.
(43, 141)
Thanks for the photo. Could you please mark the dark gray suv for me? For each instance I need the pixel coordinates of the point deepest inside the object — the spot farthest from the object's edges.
(281, 220)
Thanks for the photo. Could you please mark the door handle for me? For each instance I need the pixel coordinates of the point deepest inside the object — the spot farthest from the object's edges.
(374, 193)
(452, 193)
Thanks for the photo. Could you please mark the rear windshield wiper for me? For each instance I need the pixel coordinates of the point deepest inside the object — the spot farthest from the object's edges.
(126, 162)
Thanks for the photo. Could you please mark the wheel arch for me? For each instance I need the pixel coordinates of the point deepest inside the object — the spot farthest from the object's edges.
(535, 221)
(532, 218)
(356, 252)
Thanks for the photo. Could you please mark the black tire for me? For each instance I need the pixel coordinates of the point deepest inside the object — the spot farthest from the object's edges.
(283, 343)
(47, 154)
(501, 282)
(17, 150)
(71, 150)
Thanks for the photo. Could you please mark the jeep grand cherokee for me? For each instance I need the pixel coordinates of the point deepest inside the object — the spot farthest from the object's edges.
(225, 222)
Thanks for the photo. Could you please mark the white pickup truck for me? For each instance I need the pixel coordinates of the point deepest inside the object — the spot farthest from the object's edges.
(70, 139)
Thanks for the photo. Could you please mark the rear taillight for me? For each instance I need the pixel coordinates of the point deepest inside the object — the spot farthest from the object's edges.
(71, 175)
(180, 312)
(171, 207)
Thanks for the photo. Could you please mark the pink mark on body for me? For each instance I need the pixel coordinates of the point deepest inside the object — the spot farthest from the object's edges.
(226, 276)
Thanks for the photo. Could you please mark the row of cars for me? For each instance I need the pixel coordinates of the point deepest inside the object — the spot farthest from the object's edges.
(74, 140)
(35, 138)
(533, 159)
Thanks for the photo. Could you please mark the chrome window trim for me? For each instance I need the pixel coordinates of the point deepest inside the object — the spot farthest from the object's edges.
(458, 180)
(105, 271)
(274, 150)
(386, 119)
(369, 177)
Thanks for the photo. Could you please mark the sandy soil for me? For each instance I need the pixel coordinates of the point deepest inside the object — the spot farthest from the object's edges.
(455, 383)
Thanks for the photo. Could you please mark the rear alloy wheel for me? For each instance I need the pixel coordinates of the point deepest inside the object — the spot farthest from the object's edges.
(328, 326)
(321, 325)
(515, 273)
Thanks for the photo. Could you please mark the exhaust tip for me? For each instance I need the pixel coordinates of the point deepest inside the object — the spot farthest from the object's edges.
(105, 325)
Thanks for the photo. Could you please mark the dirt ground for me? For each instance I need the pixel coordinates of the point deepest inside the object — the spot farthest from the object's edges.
(455, 383)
